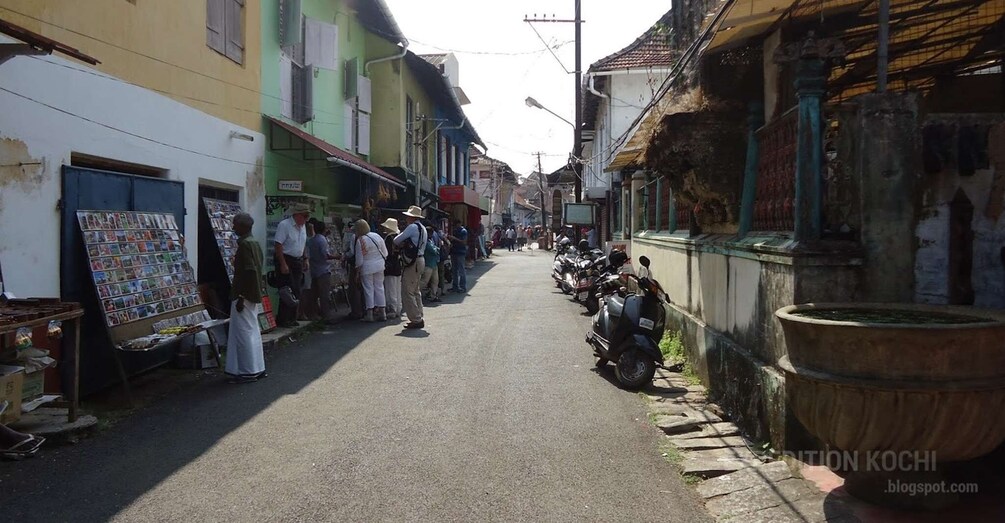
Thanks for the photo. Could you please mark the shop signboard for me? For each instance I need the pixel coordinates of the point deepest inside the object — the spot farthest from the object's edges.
(291, 185)
(579, 213)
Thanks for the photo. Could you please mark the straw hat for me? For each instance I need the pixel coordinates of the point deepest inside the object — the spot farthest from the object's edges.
(414, 211)
(391, 224)
(299, 208)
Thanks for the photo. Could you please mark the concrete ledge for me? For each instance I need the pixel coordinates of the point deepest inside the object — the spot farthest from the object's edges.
(775, 248)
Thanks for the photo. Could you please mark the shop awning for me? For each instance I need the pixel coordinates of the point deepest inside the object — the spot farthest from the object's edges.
(336, 155)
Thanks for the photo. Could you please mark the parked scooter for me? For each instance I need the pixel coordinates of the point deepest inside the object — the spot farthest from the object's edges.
(599, 281)
(628, 329)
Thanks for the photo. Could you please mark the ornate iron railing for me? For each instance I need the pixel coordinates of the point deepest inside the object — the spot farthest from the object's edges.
(774, 204)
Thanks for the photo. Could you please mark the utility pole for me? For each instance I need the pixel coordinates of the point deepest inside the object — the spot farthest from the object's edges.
(577, 143)
(578, 136)
(540, 188)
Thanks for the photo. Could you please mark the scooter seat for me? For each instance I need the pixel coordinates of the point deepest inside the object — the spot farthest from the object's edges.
(615, 306)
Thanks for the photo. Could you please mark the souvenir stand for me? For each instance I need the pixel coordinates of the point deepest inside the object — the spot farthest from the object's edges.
(144, 283)
(221, 217)
(53, 315)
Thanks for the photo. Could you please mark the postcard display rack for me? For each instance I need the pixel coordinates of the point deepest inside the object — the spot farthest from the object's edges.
(144, 283)
(221, 218)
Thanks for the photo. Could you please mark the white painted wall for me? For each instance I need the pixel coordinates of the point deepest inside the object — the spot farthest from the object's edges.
(29, 219)
(932, 259)
(629, 92)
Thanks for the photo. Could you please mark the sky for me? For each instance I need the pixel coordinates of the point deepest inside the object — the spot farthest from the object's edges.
(502, 62)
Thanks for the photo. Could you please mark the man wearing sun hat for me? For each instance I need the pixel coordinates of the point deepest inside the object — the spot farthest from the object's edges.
(412, 245)
(291, 238)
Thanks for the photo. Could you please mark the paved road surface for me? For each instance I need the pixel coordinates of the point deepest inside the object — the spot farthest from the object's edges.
(495, 414)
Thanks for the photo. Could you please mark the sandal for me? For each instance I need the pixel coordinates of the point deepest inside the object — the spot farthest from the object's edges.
(25, 448)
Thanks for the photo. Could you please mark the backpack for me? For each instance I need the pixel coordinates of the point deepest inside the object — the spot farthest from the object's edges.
(410, 252)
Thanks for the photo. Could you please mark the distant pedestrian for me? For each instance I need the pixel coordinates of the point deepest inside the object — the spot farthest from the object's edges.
(458, 252)
(431, 271)
(245, 354)
(511, 239)
(392, 271)
(370, 255)
(319, 257)
(521, 238)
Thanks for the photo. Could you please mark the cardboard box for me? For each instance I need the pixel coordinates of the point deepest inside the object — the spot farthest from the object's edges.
(34, 386)
(11, 384)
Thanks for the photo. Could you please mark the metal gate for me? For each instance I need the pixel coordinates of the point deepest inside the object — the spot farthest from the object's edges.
(91, 189)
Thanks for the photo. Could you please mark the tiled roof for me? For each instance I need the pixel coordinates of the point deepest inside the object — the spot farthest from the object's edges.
(650, 49)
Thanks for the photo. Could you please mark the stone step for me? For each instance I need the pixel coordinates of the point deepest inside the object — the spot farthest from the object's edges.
(747, 478)
(709, 443)
(710, 430)
(717, 462)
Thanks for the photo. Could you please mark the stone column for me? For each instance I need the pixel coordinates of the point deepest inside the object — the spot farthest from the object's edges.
(810, 83)
(888, 164)
(811, 58)
(755, 121)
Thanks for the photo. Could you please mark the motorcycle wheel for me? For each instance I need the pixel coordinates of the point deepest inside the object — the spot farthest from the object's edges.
(634, 369)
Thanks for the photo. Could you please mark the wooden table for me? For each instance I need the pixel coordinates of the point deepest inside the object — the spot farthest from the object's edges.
(73, 316)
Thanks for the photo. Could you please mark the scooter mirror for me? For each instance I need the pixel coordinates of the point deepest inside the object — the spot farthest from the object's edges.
(644, 261)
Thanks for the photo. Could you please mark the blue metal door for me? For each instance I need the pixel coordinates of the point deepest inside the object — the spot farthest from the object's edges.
(91, 189)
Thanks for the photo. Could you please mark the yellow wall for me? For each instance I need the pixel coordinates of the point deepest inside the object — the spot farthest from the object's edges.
(157, 44)
(392, 83)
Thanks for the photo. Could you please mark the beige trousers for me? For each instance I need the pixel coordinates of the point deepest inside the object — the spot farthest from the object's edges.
(410, 296)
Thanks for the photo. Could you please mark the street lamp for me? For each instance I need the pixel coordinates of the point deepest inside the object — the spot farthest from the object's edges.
(537, 105)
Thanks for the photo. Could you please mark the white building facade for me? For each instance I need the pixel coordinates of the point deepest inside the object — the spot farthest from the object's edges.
(59, 119)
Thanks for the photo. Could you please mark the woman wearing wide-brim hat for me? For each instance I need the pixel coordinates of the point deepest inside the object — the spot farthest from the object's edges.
(392, 271)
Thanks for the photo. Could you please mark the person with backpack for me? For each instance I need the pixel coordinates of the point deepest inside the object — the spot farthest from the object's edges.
(430, 274)
(392, 271)
(412, 244)
(458, 252)
(370, 255)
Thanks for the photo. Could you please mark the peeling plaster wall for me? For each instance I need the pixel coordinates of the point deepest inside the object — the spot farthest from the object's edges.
(932, 233)
(932, 258)
(43, 138)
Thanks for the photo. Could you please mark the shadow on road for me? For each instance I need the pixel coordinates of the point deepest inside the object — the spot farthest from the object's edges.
(99, 477)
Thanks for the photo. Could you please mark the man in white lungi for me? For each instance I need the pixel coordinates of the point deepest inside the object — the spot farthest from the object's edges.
(245, 355)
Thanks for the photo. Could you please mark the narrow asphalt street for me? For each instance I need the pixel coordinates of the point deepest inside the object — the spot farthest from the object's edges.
(495, 413)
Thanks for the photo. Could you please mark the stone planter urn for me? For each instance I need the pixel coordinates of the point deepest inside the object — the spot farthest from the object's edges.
(896, 391)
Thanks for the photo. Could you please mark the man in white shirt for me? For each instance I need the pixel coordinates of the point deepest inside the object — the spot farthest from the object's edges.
(414, 236)
(291, 259)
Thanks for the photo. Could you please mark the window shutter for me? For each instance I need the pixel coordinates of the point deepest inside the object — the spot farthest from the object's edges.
(290, 15)
(363, 91)
(350, 71)
(215, 16)
(312, 42)
(364, 134)
(329, 47)
(235, 30)
(303, 94)
(286, 86)
(349, 126)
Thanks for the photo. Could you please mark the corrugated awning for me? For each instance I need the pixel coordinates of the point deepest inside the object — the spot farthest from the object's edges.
(337, 155)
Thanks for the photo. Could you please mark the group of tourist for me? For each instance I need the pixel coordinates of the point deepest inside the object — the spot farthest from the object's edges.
(516, 237)
(388, 273)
